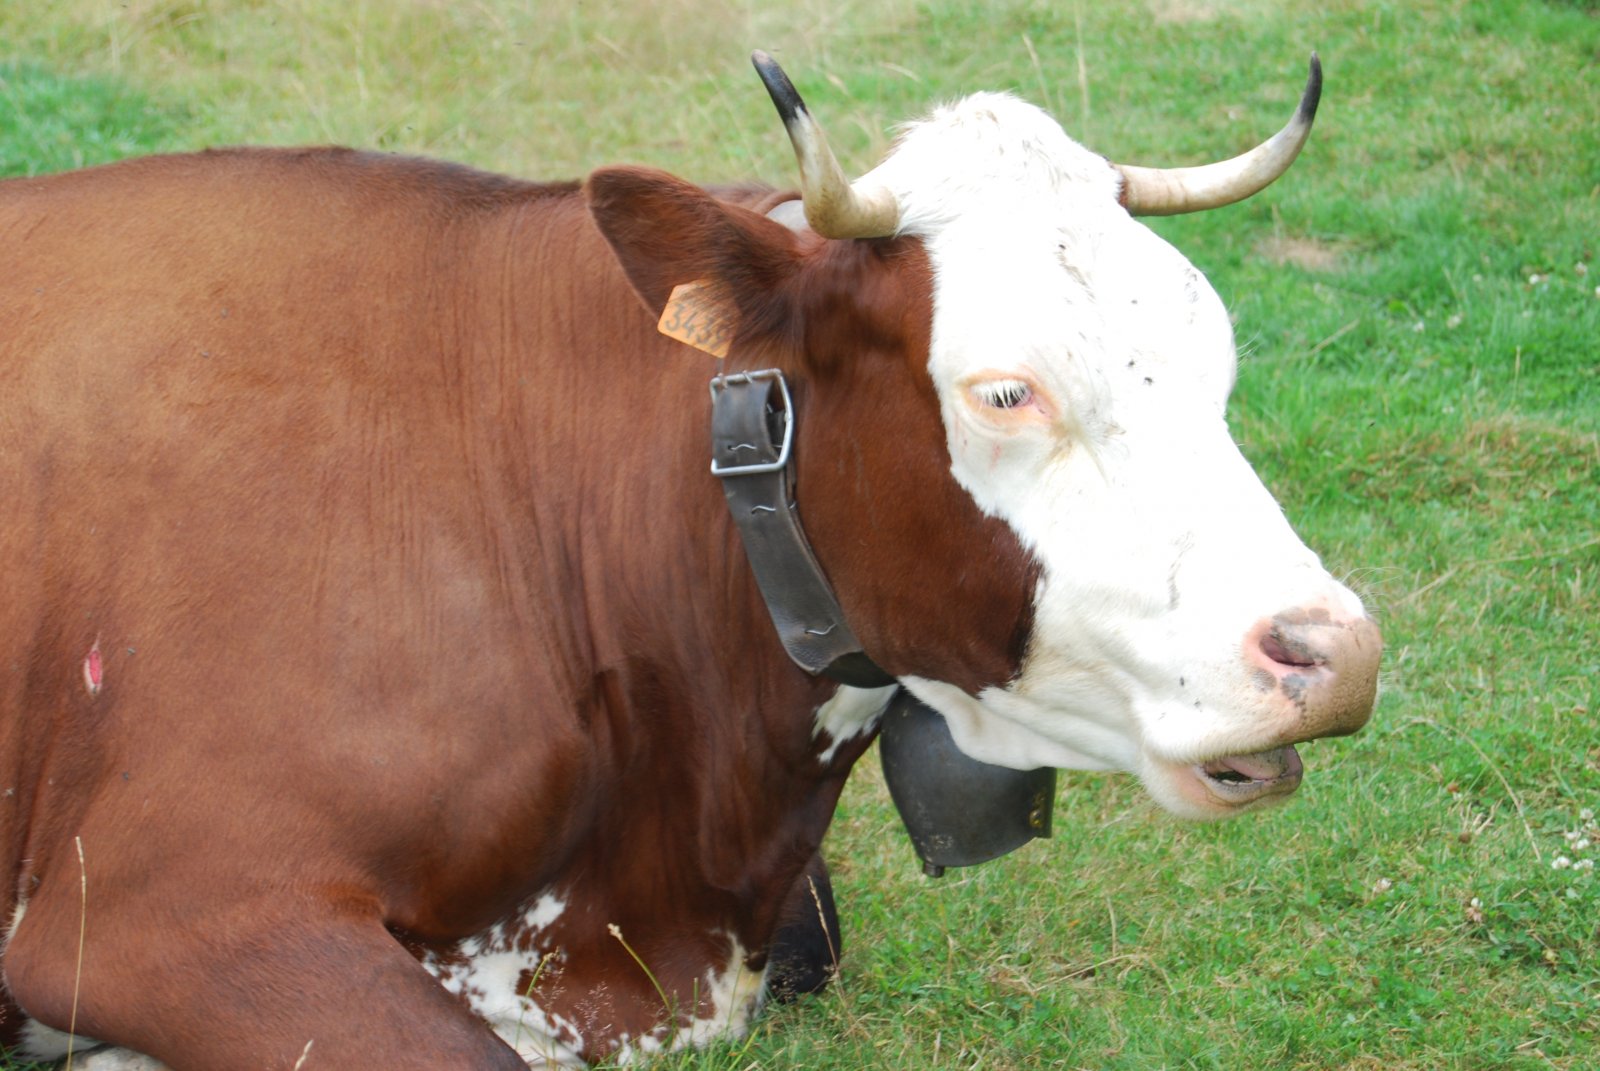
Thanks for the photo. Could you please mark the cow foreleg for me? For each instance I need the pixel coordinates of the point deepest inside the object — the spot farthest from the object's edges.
(805, 951)
(249, 988)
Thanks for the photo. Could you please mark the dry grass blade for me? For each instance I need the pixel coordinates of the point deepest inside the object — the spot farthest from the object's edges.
(83, 925)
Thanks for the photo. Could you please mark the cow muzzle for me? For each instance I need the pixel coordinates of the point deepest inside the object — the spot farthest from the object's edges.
(1317, 672)
(1322, 667)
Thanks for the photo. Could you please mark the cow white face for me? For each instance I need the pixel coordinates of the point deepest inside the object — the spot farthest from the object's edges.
(1181, 630)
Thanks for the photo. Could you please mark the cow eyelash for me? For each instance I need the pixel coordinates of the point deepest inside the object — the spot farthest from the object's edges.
(1003, 393)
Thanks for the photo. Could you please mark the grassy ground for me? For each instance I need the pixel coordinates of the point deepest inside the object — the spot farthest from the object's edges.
(1421, 388)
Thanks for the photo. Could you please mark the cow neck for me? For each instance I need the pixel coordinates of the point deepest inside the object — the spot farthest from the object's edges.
(752, 435)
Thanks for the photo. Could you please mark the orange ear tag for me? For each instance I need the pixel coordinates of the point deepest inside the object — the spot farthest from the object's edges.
(702, 315)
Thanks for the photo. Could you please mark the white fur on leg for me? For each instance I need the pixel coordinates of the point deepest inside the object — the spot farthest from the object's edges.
(118, 1060)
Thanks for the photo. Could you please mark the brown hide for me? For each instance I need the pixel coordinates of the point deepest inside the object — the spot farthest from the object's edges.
(386, 512)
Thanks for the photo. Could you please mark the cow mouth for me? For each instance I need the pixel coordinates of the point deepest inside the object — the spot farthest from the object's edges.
(1241, 779)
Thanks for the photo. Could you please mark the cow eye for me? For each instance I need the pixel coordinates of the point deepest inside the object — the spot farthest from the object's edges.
(1003, 393)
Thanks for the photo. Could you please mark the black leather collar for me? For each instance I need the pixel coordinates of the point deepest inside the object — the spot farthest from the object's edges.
(752, 438)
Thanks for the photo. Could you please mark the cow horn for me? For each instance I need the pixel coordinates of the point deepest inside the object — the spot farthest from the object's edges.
(1150, 191)
(834, 207)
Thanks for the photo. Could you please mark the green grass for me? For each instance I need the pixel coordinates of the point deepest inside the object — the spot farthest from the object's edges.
(51, 121)
(1421, 388)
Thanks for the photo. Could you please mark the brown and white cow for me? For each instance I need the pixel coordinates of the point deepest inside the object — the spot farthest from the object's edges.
(382, 680)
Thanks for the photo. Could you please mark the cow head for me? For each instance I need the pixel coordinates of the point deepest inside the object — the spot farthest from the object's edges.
(1105, 583)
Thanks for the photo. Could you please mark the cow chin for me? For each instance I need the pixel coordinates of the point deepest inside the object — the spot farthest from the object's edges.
(1225, 786)
(999, 727)
(1005, 729)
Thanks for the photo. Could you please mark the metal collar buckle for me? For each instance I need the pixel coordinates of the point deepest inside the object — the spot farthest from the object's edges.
(719, 384)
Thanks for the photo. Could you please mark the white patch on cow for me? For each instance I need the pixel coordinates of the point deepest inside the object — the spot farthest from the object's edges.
(1083, 366)
(848, 714)
(486, 971)
(545, 910)
(118, 1060)
(16, 920)
(735, 994)
(40, 1042)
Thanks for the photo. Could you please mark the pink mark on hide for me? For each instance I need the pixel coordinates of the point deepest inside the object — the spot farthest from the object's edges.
(93, 670)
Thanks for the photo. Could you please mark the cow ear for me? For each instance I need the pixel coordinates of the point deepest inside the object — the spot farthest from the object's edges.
(667, 233)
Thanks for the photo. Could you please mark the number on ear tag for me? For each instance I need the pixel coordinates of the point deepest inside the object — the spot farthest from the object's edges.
(702, 315)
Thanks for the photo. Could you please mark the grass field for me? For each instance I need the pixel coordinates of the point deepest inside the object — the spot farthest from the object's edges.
(1418, 303)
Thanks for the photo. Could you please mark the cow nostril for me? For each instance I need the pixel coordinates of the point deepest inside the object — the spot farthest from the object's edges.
(1286, 650)
(1320, 665)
